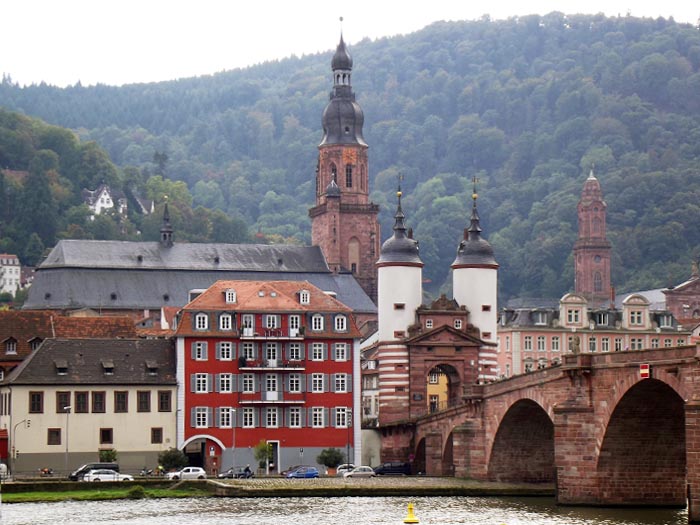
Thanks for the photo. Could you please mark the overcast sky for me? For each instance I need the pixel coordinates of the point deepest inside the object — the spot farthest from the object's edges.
(117, 42)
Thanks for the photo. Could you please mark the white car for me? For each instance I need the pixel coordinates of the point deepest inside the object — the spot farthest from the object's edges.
(188, 473)
(106, 475)
(360, 472)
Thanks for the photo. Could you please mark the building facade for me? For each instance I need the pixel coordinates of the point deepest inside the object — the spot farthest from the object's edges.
(273, 362)
(72, 398)
(344, 221)
(10, 273)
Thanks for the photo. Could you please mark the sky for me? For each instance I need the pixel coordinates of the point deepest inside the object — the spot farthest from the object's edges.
(116, 42)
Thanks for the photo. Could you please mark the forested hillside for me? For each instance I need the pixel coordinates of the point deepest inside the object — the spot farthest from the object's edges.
(527, 105)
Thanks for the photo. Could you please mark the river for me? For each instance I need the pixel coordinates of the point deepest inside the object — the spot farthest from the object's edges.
(327, 511)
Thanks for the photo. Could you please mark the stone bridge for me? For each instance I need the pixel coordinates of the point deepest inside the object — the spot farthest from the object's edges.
(594, 426)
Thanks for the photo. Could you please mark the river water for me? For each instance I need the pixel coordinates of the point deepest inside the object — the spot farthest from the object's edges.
(328, 511)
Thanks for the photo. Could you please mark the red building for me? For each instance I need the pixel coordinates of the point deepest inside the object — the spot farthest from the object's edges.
(267, 361)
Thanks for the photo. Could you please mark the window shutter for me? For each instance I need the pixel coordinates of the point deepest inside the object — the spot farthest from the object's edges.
(204, 351)
(210, 382)
(309, 415)
(217, 417)
(302, 383)
(209, 416)
(286, 384)
(287, 417)
(325, 351)
(193, 416)
(333, 412)
(309, 381)
(302, 418)
(326, 383)
(255, 350)
(193, 382)
(348, 383)
(217, 383)
(257, 382)
(218, 350)
(332, 385)
(325, 416)
(234, 383)
(193, 354)
(349, 417)
(256, 416)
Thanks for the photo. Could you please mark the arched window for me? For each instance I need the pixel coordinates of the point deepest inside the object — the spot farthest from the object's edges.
(597, 282)
(597, 225)
(334, 172)
(348, 176)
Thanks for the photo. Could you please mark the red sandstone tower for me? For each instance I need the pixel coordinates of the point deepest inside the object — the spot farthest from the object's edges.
(592, 249)
(343, 221)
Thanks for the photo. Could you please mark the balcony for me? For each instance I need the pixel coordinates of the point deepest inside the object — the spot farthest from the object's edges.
(276, 397)
(272, 364)
(252, 334)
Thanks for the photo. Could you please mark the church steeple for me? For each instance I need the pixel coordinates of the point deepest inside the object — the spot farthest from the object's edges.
(166, 230)
(592, 249)
(344, 221)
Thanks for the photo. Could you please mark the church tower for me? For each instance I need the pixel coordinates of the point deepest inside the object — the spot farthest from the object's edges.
(592, 249)
(343, 221)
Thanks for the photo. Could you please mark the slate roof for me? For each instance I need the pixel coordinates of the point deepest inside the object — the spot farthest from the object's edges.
(84, 360)
(144, 275)
(26, 326)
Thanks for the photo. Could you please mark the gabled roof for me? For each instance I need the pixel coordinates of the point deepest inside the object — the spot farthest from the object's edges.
(84, 363)
(432, 337)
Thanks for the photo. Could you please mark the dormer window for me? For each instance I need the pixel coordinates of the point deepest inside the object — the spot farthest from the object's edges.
(107, 367)
(304, 297)
(602, 318)
(665, 321)
(317, 322)
(429, 323)
(152, 368)
(573, 316)
(201, 321)
(458, 324)
(230, 296)
(225, 322)
(540, 318)
(11, 346)
(636, 318)
(341, 323)
(61, 367)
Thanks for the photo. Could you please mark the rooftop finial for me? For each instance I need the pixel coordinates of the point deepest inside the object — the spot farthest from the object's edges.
(475, 195)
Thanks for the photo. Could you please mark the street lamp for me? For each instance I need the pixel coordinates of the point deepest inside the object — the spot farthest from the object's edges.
(26, 422)
(67, 409)
(233, 443)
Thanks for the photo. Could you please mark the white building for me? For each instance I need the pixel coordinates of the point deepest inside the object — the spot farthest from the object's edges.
(10, 274)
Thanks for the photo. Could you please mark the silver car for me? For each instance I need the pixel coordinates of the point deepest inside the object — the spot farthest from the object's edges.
(188, 473)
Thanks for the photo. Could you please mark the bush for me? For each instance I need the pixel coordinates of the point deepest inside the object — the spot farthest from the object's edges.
(330, 457)
(136, 492)
(108, 455)
(172, 459)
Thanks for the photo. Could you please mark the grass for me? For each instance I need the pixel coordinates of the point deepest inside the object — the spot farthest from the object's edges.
(101, 494)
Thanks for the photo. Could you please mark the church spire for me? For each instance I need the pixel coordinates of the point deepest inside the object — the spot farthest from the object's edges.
(166, 230)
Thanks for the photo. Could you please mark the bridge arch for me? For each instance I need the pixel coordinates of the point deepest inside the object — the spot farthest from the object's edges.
(523, 447)
(642, 455)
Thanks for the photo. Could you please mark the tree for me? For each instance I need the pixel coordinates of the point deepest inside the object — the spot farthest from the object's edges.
(172, 459)
(262, 452)
(330, 457)
(108, 455)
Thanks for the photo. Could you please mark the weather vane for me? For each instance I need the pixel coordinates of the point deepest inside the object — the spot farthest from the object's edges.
(475, 179)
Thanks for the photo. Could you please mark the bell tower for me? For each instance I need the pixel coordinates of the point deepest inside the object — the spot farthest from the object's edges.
(344, 221)
(592, 248)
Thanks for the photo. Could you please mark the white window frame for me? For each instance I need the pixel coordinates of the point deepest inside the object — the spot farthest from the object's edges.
(341, 351)
(295, 351)
(556, 343)
(200, 350)
(540, 318)
(592, 344)
(573, 316)
(226, 351)
(272, 322)
(317, 322)
(295, 383)
(248, 419)
(341, 383)
(304, 297)
(317, 383)
(201, 383)
(248, 321)
(636, 318)
(605, 344)
(225, 322)
(541, 343)
(458, 324)
(527, 343)
(248, 383)
(225, 420)
(226, 383)
(272, 351)
(295, 417)
(201, 321)
(317, 417)
(201, 417)
(317, 351)
(341, 417)
(248, 350)
(272, 415)
(429, 323)
(618, 344)
(230, 296)
(341, 323)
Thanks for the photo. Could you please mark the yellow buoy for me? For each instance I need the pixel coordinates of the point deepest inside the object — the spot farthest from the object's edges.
(410, 517)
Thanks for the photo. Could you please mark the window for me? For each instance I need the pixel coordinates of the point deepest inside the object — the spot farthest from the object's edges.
(507, 343)
(540, 318)
(54, 436)
(98, 402)
(666, 321)
(248, 384)
(399, 306)
(121, 402)
(340, 383)
(248, 321)
(618, 344)
(527, 346)
(341, 323)
(348, 176)
(225, 351)
(164, 401)
(317, 322)
(248, 350)
(592, 344)
(201, 383)
(294, 325)
(225, 383)
(458, 324)
(294, 417)
(143, 401)
(541, 343)
(35, 344)
(636, 318)
(317, 383)
(573, 316)
(271, 351)
(201, 321)
(433, 378)
(605, 344)
(199, 351)
(270, 382)
(655, 342)
(225, 322)
(317, 351)
(304, 297)
(248, 418)
(597, 278)
(636, 343)
(601, 318)
(271, 417)
(529, 366)
(10, 346)
(340, 352)
(485, 307)
(272, 321)
(156, 435)
(62, 400)
(429, 323)
(36, 402)
(106, 436)
(317, 419)
(294, 383)
(201, 417)
(295, 351)
(555, 343)
(230, 296)
(82, 405)
(341, 417)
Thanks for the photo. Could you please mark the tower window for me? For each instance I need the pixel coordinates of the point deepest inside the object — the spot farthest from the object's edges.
(597, 282)
(348, 176)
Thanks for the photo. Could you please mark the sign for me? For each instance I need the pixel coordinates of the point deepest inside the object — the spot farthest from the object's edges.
(644, 372)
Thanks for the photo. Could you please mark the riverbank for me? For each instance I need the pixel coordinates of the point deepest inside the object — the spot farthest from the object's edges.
(47, 491)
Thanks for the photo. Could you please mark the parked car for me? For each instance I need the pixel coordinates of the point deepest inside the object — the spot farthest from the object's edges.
(237, 473)
(343, 468)
(188, 473)
(360, 472)
(396, 468)
(303, 472)
(104, 474)
(290, 469)
(77, 475)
